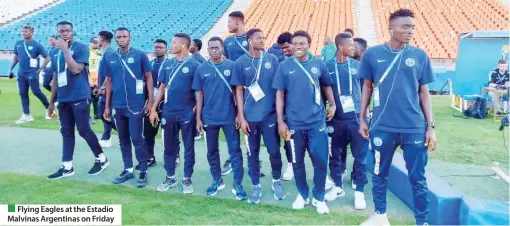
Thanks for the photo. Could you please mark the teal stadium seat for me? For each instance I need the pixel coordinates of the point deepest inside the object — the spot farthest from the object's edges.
(147, 20)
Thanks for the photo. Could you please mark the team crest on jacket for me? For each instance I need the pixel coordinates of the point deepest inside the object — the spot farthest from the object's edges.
(410, 62)
(226, 72)
(30, 48)
(353, 71)
(315, 70)
(185, 70)
(245, 43)
(377, 141)
(267, 65)
(131, 60)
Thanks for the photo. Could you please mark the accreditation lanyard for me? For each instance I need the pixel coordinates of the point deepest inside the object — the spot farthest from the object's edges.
(125, 64)
(26, 50)
(221, 76)
(338, 77)
(260, 65)
(304, 70)
(176, 70)
(390, 67)
(160, 67)
(238, 43)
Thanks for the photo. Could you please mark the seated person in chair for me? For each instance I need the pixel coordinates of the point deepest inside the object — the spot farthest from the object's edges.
(499, 79)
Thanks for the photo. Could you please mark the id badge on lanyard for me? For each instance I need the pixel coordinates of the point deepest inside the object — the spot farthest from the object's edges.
(156, 89)
(347, 103)
(346, 100)
(33, 61)
(256, 92)
(317, 95)
(375, 92)
(62, 76)
(317, 91)
(375, 97)
(139, 86)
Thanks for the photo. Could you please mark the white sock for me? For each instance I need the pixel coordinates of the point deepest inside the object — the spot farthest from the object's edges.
(68, 165)
(289, 164)
(101, 157)
(130, 170)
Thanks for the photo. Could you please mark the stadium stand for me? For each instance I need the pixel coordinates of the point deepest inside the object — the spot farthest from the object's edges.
(439, 24)
(147, 20)
(11, 10)
(318, 17)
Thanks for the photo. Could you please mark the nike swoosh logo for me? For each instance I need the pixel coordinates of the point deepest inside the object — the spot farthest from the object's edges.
(418, 142)
(111, 62)
(292, 72)
(322, 129)
(186, 122)
(271, 125)
(379, 61)
(206, 75)
(331, 73)
(248, 68)
(230, 44)
(76, 104)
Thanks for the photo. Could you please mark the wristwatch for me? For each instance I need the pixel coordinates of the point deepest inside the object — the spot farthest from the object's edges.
(431, 124)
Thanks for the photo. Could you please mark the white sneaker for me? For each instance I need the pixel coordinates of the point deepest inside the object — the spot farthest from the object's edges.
(359, 200)
(105, 143)
(300, 203)
(329, 183)
(47, 115)
(24, 118)
(289, 172)
(377, 219)
(335, 192)
(198, 137)
(321, 207)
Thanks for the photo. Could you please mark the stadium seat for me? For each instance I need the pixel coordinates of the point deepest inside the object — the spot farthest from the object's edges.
(443, 23)
(319, 18)
(147, 20)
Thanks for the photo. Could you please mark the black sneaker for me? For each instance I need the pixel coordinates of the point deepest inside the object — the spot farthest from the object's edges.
(61, 172)
(98, 167)
(123, 177)
(150, 163)
(142, 180)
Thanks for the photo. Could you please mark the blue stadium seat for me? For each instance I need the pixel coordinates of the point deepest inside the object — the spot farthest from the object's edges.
(147, 20)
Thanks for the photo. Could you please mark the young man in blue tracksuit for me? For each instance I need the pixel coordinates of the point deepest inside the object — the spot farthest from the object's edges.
(343, 128)
(27, 52)
(234, 47)
(216, 109)
(47, 73)
(300, 81)
(257, 112)
(72, 90)
(395, 76)
(128, 77)
(175, 90)
(104, 42)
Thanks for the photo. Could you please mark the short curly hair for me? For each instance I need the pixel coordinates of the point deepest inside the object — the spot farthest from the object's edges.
(401, 13)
